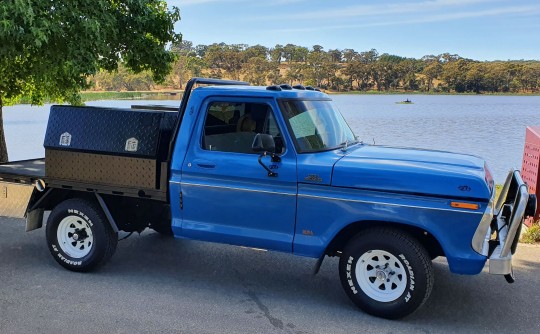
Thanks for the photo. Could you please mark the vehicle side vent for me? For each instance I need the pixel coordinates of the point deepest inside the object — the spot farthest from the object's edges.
(285, 87)
(300, 87)
(274, 87)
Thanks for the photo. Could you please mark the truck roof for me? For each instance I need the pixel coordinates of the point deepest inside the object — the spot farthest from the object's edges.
(262, 91)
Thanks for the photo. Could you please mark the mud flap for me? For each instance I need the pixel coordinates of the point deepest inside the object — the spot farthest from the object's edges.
(34, 219)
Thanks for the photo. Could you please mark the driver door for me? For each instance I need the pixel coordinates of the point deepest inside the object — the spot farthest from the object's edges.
(227, 195)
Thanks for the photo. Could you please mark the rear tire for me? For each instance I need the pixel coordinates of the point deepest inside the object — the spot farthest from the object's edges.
(386, 273)
(79, 236)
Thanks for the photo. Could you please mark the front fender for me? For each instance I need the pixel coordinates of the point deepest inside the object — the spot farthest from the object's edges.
(325, 211)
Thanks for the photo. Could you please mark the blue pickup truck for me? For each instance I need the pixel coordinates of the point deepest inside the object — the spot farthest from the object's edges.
(274, 168)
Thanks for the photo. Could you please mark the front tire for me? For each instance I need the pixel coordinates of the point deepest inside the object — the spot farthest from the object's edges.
(386, 273)
(79, 236)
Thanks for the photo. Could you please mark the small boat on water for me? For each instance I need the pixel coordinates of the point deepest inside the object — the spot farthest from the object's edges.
(407, 101)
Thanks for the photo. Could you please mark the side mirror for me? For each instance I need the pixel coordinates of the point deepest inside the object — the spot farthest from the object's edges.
(263, 143)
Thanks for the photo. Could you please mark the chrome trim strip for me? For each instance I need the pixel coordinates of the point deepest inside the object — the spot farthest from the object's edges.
(322, 197)
(234, 188)
(500, 261)
(389, 204)
(499, 265)
(517, 216)
(504, 192)
(480, 241)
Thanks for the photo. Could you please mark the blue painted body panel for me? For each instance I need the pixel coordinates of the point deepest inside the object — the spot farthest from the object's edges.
(229, 198)
(413, 170)
(327, 210)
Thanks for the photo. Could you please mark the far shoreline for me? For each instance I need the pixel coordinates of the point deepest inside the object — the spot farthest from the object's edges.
(89, 96)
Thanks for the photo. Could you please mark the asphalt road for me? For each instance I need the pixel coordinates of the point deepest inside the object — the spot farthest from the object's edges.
(160, 285)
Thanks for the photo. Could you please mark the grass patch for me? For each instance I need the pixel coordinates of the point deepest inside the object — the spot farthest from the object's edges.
(532, 235)
(94, 96)
(498, 188)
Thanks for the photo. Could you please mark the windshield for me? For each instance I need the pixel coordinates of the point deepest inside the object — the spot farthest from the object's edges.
(316, 125)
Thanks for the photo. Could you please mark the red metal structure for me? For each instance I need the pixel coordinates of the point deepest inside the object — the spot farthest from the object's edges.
(531, 160)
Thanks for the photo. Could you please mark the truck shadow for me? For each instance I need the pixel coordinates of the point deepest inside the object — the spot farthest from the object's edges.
(265, 284)
(457, 302)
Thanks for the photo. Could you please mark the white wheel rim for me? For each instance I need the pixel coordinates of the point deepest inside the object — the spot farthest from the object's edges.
(381, 275)
(75, 237)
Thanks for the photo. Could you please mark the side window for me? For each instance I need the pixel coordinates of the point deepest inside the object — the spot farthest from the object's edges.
(231, 127)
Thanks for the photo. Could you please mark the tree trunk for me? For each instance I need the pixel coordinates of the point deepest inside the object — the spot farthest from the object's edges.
(3, 146)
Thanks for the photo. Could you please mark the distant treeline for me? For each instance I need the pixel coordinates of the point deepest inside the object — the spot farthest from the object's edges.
(337, 70)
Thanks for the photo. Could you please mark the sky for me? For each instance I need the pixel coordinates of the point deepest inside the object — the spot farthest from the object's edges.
(476, 29)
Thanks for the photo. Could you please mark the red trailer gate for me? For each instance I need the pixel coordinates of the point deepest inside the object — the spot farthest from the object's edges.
(531, 160)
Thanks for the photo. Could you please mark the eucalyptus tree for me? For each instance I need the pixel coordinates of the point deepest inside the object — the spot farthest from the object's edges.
(48, 49)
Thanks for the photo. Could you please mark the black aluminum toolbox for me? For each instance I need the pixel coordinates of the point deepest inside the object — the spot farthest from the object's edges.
(110, 146)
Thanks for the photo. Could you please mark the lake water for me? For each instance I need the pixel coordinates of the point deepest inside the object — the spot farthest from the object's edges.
(492, 127)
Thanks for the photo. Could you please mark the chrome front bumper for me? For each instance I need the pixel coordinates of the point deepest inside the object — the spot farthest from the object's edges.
(498, 233)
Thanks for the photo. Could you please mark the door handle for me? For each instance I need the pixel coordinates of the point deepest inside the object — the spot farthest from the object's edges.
(204, 163)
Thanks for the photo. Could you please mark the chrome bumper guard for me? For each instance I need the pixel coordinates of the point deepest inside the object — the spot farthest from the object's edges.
(498, 233)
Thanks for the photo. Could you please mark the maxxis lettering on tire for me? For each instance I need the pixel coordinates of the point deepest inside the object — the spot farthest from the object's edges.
(349, 275)
(396, 276)
(79, 236)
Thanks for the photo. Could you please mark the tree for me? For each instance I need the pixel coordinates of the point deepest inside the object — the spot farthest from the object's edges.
(296, 73)
(48, 49)
(454, 75)
(256, 51)
(349, 55)
(336, 55)
(317, 66)
(256, 70)
(432, 71)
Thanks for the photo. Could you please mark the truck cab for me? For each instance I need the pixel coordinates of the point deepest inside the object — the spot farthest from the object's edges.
(273, 168)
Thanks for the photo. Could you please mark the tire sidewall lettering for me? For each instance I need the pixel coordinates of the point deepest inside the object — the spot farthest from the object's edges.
(57, 249)
(80, 214)
(354, 286)
(350, 278)
(411, 278)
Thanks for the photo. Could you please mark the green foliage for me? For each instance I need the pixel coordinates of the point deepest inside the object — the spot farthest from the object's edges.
(49, 48)
(349, 70)
(122, 79)
(532, 235)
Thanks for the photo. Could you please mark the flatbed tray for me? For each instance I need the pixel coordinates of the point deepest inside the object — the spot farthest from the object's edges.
(24, 171)
(28, 171)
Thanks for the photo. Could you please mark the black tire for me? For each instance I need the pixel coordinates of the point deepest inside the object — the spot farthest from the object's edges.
(87, 240)
(395, 273)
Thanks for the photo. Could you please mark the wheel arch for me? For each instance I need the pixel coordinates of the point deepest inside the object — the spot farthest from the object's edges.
(426, 239)
(52, 198)
(122, 213)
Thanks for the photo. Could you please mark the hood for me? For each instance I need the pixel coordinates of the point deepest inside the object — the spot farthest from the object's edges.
(414, 171)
